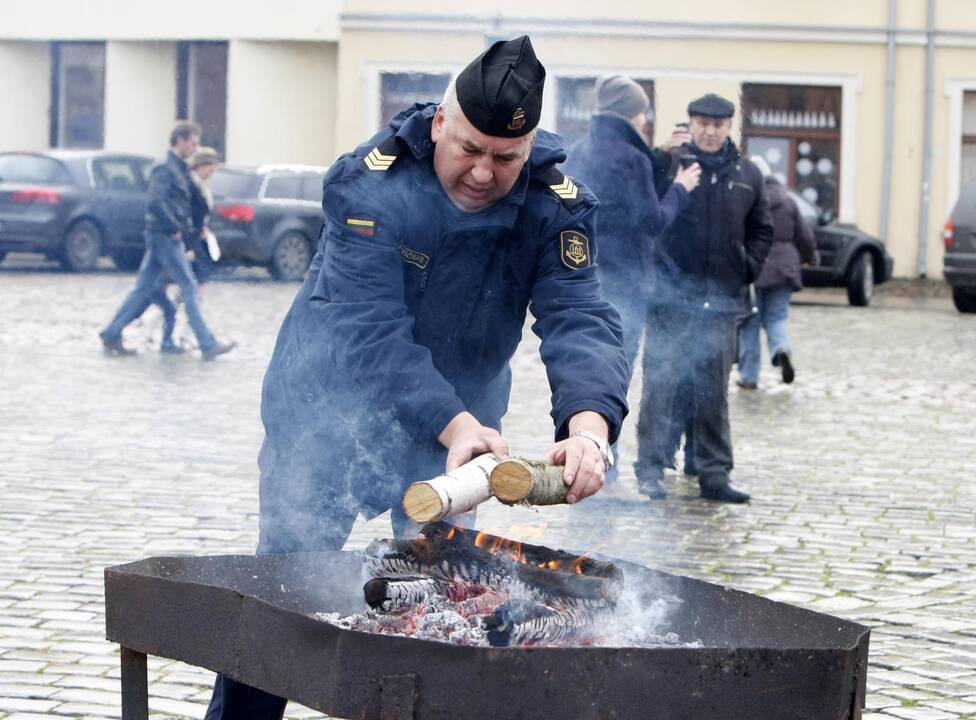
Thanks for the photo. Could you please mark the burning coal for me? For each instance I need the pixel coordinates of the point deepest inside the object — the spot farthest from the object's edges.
(472, 588)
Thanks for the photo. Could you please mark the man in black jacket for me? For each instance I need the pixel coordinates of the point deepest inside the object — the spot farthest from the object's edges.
(168, 223)
(712, 252)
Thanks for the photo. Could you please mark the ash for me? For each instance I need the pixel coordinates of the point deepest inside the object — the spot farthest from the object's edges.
(634, 622)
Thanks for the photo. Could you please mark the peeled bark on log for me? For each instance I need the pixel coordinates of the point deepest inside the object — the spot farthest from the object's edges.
(517, 622)
(456, 492)
(443, 559)
(396, 594)
(517, 480)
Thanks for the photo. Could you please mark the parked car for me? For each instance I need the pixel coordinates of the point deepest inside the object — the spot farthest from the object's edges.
(959, 261)
(268, 216)
(848, 257)
(74, 206)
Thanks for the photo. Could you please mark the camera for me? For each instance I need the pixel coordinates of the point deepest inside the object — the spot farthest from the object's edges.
(688, 159)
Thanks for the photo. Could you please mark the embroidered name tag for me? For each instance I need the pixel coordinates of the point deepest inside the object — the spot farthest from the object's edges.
(574, 249)
(414, 257)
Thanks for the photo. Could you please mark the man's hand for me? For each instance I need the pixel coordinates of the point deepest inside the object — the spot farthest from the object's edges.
(464, 437)
(689, 177)
(190, 256)
(581, 456)
(177, 235)
(679, 136)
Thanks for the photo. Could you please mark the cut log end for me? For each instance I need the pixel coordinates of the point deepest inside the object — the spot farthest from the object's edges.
(511, 481)
(423, 503)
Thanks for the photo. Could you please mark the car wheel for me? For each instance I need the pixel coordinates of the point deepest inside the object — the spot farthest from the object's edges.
(860, 280)
(127, 260)
(291, 258)
(964, 299)
(82, 246)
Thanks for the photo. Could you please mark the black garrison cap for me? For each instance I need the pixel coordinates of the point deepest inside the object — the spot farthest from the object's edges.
(500, 92)
(711, 105)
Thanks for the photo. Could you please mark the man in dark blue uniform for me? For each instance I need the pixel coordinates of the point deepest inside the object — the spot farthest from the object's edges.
(441, 231)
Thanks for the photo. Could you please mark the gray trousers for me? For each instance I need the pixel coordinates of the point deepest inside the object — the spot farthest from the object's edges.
(687, 347)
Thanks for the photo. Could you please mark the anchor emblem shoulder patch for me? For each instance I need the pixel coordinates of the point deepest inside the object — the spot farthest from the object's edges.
(574, 249)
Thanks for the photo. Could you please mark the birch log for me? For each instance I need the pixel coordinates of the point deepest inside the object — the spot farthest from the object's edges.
(516, 480)
(456, 492)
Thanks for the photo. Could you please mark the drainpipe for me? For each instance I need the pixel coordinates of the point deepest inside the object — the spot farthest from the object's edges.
(923, 225)
(889, 129)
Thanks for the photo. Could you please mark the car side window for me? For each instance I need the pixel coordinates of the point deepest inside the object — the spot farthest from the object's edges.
(118, 175)
(312, 188)
(283, 187)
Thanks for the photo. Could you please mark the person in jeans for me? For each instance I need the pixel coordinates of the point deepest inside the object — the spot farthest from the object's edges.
(780, 277)
(169, 222)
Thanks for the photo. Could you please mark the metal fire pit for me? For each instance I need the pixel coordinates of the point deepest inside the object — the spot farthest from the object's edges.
(251, 618)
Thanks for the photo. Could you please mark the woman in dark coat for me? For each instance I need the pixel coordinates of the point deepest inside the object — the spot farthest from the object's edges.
(793, 242)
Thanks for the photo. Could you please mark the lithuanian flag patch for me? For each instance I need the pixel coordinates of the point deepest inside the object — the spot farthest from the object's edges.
(361, 226)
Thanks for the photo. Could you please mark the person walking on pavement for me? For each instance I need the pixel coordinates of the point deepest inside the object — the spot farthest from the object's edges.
(169, 222)
(704, 263)
(793, 242)
(615, 162)
(393, 362)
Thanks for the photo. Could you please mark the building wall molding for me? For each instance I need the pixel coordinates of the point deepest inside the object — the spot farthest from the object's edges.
(505, 26)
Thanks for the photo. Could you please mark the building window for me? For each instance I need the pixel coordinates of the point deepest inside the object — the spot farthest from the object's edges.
(796, 129)
(202, 90)
(967, 165)
(399, 91)
(576, 102)
(78, 87)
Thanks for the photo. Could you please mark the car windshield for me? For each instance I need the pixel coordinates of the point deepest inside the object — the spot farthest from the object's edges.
(35, 169)
(231, 184)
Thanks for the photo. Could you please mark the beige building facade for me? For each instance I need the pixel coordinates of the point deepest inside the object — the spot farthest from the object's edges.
(868, 109)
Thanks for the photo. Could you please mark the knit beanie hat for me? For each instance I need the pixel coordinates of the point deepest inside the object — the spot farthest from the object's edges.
(620, 95)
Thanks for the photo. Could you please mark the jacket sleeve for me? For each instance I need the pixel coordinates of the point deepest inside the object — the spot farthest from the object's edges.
(658, 215)
(358, 302)
(160, 187)
(582, 345)
(759, 231)
(804, 239)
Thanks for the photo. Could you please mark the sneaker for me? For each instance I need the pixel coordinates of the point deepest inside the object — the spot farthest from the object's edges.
(171, 348)
(218, 348)
(746, 385)
(114, 346)
(782, 360)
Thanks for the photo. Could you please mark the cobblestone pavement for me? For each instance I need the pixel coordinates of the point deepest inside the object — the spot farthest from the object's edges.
(862, 476)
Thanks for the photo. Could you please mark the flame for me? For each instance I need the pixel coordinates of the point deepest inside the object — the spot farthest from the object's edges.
(451, 533)
(577, 565)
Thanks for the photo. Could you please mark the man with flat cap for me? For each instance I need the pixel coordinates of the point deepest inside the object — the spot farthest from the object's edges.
(393, 361)
(704, 263)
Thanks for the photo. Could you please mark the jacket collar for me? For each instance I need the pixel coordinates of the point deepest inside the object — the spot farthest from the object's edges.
(608, 125)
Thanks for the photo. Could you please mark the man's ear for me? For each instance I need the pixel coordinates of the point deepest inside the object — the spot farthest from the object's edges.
(437, 127)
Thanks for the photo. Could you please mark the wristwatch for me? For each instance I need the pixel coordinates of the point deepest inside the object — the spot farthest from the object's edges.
(600, 443)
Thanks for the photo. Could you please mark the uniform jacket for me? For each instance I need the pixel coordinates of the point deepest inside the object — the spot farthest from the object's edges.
(169, 206)
(616, 164)
(792, 240)
(411, 312)
(718, 245)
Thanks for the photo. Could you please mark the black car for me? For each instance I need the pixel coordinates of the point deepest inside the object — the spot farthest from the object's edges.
(848, 257)
(959, 262)
(268, 216)
(74, 206)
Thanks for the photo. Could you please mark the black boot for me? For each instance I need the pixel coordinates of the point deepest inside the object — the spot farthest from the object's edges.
(782, 360)
(718, 487)
(649, 483)
(114, 346)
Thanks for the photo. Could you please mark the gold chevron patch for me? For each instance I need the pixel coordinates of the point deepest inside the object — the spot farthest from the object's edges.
(378, 161)
(567, 189)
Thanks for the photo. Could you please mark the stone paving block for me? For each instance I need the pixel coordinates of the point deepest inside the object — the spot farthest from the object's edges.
(919, 713)
(12, 704)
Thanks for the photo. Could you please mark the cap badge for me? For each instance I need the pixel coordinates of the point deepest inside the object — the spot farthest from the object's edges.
(518, 120)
